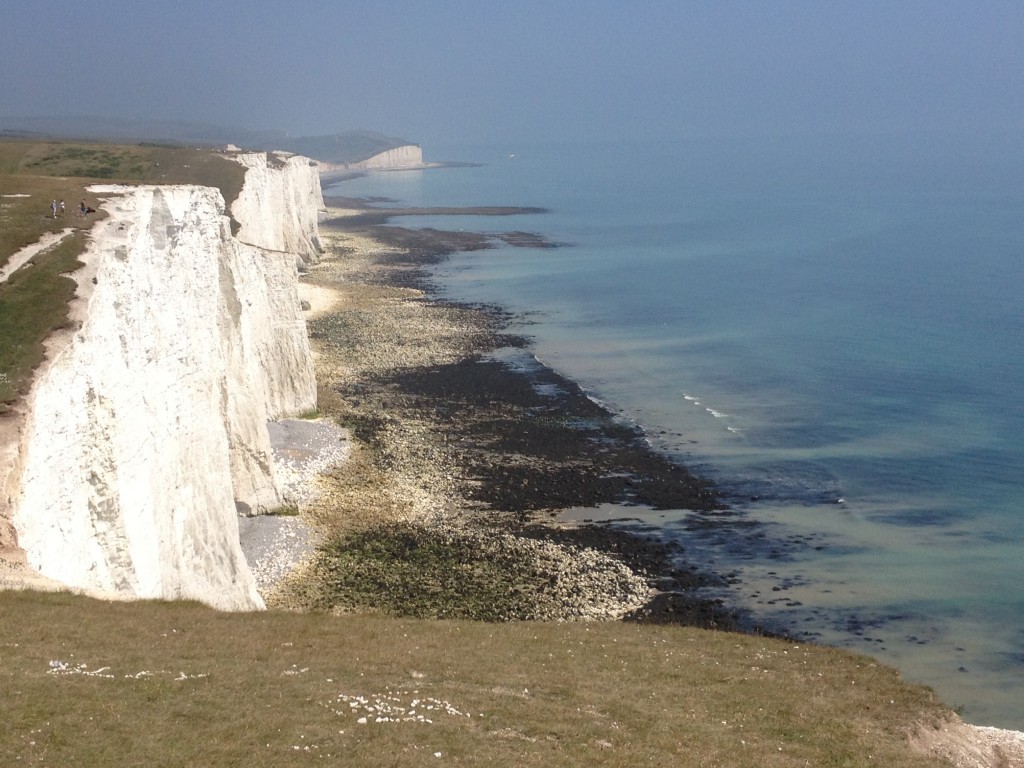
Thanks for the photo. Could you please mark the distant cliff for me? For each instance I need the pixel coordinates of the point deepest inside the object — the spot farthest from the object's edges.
(409, 156)
(147, 429)
(342, 149)
(336, 148)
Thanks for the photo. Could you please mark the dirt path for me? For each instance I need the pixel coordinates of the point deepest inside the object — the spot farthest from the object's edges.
(29, 252)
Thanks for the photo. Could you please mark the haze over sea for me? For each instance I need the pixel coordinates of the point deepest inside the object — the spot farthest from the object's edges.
(831, 330)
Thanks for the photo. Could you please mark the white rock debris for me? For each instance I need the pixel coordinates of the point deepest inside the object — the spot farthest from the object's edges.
(274, 545)
(60, 668)
(400, 706)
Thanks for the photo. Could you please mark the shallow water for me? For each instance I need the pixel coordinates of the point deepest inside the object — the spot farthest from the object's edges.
(805, 324)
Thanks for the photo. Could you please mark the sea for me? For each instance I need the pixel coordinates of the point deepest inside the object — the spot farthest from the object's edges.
(831, 329)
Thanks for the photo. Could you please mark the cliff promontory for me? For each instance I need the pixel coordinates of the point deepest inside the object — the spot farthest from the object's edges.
(146, 431)
(408, 156)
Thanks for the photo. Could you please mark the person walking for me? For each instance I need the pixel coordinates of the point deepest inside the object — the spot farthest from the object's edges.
(62, 207)
(53, 208)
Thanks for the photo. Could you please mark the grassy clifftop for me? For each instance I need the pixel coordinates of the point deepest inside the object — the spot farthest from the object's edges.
(33, 302)
(94, 684)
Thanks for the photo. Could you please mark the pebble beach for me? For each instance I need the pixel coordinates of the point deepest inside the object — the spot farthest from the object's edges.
(458, 450)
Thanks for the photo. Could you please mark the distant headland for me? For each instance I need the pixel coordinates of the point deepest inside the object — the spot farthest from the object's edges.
(349, 150)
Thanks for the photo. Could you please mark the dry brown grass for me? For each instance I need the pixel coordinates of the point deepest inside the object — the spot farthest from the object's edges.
(179, 684)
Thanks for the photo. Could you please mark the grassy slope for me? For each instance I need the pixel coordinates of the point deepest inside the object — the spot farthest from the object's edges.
(33, 303)
(179, 684)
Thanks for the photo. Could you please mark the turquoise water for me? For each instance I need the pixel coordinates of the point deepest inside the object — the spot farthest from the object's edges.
(832, 330)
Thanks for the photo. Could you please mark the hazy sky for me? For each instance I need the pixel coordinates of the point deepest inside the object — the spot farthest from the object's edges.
(450, 71)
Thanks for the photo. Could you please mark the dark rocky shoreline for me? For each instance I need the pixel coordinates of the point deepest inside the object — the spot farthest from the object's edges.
(524, 443)
(521, 443)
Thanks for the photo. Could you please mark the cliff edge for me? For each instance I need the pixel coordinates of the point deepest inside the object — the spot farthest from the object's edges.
(146, 431)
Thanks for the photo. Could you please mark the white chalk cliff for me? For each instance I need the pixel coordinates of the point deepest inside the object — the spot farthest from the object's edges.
(147, 429)
(408, 156)
(279, 204)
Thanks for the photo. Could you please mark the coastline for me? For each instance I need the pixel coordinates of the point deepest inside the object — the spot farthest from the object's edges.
(463, 440)
(397, 473)
(674, 328)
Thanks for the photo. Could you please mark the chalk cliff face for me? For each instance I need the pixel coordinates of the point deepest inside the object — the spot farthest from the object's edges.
(409, 156)
(149, 425)
(279, 204)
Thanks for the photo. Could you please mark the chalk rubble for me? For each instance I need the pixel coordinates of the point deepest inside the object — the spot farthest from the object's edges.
(147, 430)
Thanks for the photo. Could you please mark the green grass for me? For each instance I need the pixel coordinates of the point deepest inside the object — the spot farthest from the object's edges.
(33, 302)
(23, 220)
(404, 569)
(179, 684)
(286, 510)
(123, 163)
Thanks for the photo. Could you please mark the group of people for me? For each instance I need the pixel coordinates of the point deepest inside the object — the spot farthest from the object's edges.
(83, 209)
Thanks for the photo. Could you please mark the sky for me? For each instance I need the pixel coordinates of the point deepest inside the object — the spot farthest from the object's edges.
(483, 71)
